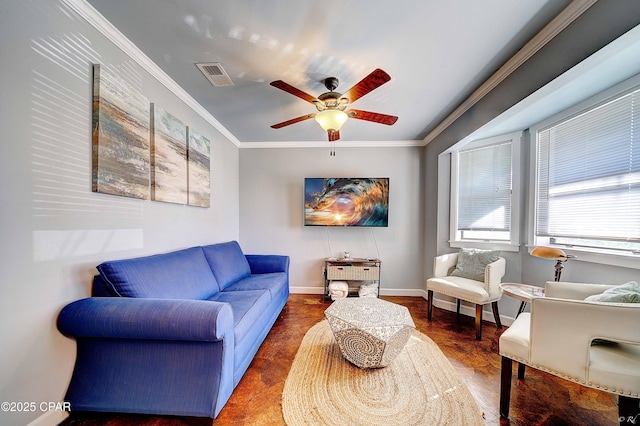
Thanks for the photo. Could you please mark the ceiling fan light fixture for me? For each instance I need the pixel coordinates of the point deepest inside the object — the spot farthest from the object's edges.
(331, 119)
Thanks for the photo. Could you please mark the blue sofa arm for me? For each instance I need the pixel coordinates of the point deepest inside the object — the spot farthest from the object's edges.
(133, 318)
(150, 356)
(265, 264)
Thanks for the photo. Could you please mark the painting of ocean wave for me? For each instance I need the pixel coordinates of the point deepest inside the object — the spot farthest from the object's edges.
(199, 169)
(168, 157)
(121, 160)
(346, 202)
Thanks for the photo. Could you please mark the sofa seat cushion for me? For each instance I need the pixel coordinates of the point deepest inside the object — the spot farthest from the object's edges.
(617, 363)
(248, 309)
(183, 274)
(273, 282)
(466, 289)
(227, 262)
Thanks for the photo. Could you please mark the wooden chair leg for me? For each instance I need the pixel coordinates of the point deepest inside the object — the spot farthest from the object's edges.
(429, 304)
(505, 386)
(458, 312)
(521, 368)
(478, 322)
(628, 411)
(496, 315)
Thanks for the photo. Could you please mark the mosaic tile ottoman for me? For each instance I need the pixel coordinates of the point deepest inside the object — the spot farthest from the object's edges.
(370, 332)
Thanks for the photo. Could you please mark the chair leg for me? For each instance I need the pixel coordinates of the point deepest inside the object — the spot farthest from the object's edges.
(521, 368)
(505, 386)
(458, 312)
(478, 322)
(496, 315)
(429, 304)
(628, 410)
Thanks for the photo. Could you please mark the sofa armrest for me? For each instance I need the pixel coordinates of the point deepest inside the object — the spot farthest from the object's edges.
(267, 263)
(575, 291)
(444, 264)
(136, 318)
(562, 331)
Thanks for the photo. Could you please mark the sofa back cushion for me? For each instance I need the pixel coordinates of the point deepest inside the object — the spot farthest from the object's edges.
(183, 274)
(227, 262)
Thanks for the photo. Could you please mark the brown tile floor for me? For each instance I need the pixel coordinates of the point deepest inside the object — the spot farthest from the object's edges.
(541, 399)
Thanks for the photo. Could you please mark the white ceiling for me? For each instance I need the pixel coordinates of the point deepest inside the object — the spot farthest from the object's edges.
(437, 53)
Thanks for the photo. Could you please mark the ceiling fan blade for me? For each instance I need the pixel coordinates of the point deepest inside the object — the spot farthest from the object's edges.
(293, 121)
(374, 80)
(376, 117)
(292, 90)
(334, 135)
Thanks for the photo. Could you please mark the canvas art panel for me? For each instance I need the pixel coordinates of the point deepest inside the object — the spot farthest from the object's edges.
(168, 157)
(199, 165)
(121, 162)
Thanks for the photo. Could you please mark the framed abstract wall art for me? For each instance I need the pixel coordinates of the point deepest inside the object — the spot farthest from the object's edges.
(121, 162)
(199, 169)
(168, 157)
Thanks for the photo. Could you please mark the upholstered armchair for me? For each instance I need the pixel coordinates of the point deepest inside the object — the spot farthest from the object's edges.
(594, 344)
(481, 292)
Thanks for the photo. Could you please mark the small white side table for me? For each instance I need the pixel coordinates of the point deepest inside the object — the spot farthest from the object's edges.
(522, 292)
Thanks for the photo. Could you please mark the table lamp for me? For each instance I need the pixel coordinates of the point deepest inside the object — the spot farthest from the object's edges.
(554, 254)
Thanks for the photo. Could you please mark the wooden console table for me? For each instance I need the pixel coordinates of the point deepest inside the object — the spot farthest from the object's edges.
(352, 269)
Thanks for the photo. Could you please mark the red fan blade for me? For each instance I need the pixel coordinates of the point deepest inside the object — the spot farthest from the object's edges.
(295, 92)
(293, 121)
(372, 116)
(374, 80)
(334, 135)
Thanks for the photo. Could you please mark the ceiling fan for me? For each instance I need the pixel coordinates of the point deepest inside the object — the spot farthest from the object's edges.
(332, 106)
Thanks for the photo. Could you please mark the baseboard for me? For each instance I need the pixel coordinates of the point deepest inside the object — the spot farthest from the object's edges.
(306, 290)
(384, 292)
(50, 418)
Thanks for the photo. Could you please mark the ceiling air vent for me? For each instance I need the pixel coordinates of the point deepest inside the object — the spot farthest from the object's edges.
(215, 74)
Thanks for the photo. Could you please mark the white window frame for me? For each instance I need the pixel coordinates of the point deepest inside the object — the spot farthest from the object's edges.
(594, 255)
(513, 243)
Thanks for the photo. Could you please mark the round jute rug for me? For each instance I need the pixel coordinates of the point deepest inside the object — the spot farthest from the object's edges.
(420, 387)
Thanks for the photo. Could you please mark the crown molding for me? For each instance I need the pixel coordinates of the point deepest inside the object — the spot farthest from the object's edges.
(338, 144)
(106, 28)
(572, 12)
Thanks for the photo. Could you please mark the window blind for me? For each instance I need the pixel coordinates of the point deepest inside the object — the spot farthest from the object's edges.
(484, 188)
(588, 176)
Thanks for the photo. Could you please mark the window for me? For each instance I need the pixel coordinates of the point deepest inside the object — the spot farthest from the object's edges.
(588, 178)
(484, 207)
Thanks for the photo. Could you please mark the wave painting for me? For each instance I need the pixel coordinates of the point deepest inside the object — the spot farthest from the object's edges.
(346, 202)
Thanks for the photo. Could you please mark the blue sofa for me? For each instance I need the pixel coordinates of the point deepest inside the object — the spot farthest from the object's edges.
(176, 331)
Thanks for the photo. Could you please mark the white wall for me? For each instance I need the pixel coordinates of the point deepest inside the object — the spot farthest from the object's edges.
(53, 229)
(271, 210)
